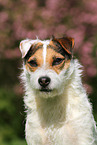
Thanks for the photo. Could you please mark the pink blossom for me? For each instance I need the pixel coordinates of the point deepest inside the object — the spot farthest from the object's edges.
(87, 48)
(37, 25)
(3, 17)
(60, 29)
(47, 14)
(52, 4)
(42, 33)
(4, 3)
(30, 4)
(91, 71)
(91, 6)
(86, 60)
(87, 18)
(78, 35)
(31, 34)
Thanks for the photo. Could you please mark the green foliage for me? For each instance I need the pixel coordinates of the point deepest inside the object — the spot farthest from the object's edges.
(11, 122)
(18, 142)
(93, 96)
(14, 142)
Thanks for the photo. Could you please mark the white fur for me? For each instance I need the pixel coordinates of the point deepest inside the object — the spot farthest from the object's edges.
(45, 51)
(61, 117)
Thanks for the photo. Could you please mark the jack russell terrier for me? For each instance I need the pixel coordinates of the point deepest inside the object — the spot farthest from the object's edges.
(58, 109)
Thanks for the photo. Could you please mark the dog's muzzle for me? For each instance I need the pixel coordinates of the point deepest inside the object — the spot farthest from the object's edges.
(44, 83)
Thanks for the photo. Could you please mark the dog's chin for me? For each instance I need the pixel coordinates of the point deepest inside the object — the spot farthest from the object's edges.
(46, 93)
(45, 90)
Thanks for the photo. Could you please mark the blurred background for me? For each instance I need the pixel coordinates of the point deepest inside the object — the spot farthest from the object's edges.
(20, 19)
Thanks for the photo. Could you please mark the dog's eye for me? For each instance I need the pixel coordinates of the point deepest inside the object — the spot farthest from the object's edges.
(57, 61)
(33, 63)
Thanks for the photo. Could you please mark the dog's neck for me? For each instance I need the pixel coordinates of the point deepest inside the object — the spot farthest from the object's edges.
(50, 109)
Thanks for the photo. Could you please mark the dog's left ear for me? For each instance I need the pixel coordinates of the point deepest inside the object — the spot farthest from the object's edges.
(67, 43)
(25, 46)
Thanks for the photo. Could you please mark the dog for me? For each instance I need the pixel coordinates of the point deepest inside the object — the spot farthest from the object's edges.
(57, 106)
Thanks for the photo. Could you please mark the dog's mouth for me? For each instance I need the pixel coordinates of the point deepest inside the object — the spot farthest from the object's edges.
(45, 90)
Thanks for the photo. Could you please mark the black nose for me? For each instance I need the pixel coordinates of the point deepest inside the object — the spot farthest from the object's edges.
(44, 81)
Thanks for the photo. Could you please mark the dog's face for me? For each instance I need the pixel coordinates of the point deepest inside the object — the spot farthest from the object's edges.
(46, 64)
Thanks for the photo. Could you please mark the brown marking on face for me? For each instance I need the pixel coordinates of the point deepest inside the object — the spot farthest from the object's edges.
(67, 64)
(52, 55)
(54, 60)
(37, 45)
(35, 61)
(54, 46)
(58, 48)
(34, 47)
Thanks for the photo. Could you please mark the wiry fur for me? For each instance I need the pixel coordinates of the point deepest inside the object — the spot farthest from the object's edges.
(61, 117)
(65, 119)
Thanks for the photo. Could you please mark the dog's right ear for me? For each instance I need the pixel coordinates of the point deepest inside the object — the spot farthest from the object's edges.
(25, 46)
(67, 43)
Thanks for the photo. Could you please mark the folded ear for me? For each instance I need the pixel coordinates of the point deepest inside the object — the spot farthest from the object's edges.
(67, 43)
(25, 46)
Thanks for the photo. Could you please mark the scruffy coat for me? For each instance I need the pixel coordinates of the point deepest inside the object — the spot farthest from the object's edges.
(64, 118)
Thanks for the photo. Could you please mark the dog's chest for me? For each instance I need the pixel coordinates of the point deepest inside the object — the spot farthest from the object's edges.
(59, 135)
(51, 133)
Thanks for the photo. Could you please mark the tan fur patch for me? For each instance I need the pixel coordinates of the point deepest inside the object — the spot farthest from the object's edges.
(51, 54)
(39, 44)
(38, 56)
(52, 44)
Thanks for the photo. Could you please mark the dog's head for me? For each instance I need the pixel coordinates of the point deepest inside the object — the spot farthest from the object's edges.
(46, 64)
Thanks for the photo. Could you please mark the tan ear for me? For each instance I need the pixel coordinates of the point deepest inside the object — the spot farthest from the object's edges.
(25, 46)
(66, 42)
